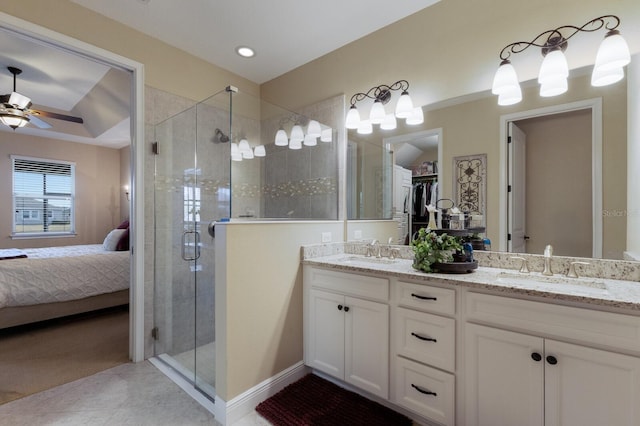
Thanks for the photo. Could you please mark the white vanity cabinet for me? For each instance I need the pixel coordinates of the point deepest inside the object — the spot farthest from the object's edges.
(424, 342)
(346, 327)
(529, 376)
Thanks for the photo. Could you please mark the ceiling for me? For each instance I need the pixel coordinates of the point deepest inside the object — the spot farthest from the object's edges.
(298, 32)
(285, 34)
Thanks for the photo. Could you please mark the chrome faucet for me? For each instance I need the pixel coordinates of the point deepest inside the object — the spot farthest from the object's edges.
(548, 252)
(374, 245)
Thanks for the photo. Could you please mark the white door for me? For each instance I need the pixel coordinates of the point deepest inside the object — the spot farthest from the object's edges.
(585, 386)
(326, 333)
(517, 194)
(504, 378)
(367, 345)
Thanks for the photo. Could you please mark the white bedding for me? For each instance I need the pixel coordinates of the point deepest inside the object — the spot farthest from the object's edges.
(58, 274)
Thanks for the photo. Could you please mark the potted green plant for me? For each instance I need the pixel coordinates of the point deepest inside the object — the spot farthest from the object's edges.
(430, 248)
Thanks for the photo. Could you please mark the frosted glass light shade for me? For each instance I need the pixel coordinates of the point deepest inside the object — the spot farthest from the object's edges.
(553, 68)
(281, 138)
(236, 155)
(248, 154)
(404, 105)
(295, 144)
(554, 87)
(259, 151)
(13, 121)
(389, 123)
(511, 96)
(310, 140)
(365, 127)
(604, 77)
(353, 118)
(297, 134)
(377, 113)
(613, 52)
(313, 128)
(326, 135)
(416, 117)
(505, 78)
(243, 146)
(18, 100)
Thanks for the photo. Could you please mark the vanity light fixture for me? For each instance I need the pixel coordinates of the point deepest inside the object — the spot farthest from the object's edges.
(381, 96)
(304, 132)
(613, 54)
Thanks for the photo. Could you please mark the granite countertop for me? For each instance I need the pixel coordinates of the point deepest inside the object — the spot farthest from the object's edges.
(605, 292)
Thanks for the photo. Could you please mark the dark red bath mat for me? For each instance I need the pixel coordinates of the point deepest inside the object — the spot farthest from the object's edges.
(313, 401)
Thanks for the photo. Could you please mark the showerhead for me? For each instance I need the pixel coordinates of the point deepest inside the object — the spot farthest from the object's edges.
(220, 137)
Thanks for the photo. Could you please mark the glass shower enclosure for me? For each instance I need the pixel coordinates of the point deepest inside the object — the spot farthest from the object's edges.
(191, 193)
(223, 158)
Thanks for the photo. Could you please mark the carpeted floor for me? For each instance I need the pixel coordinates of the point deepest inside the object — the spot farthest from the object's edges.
(42, 356)
(313, 401)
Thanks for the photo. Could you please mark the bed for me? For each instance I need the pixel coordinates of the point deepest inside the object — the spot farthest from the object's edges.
(45, 283)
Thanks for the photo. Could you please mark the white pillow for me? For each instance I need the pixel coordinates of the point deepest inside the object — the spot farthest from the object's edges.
(111, 241)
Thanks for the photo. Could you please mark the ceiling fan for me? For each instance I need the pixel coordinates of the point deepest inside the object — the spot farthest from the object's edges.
(15, 109)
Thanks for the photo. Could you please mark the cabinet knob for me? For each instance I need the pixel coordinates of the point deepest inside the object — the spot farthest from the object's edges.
(552, 360)
(424, 391)
(536, 356)
(346, 309)
(340, 307)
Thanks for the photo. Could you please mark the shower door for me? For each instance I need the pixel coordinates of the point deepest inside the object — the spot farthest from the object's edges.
(191, 192)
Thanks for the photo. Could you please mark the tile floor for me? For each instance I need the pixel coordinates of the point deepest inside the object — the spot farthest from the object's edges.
(130, 394)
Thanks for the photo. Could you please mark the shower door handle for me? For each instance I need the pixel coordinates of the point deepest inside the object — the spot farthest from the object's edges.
(196, 241)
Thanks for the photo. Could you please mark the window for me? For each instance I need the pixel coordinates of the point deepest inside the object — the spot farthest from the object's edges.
(43, 197)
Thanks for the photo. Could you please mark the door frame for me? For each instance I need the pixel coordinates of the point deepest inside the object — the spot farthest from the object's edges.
(136, 206)
(595, 105)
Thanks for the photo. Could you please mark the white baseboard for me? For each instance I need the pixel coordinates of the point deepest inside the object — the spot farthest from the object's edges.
(228, 413)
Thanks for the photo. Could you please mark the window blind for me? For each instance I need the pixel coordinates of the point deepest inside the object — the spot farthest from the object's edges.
(43, 195)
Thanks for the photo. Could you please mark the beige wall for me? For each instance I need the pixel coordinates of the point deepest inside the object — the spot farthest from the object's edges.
(125, 180)
(97, 187)
(449, 50)
(261, 302)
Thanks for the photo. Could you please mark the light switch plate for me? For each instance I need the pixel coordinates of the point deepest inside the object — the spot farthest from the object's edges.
(326, 237)
(357, 234)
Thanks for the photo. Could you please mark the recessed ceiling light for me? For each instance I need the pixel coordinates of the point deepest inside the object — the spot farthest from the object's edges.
(245, 52)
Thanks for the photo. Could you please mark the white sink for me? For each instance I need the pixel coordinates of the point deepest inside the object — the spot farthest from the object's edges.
(364, 259)
(578, 285)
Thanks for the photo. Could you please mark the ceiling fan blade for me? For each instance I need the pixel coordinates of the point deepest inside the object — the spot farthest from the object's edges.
(56, 116)
(38, 123)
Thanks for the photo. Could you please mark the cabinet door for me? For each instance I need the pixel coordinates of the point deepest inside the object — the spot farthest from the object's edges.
(585, 386)
(367, 345)
(326, 333)
(504, 384)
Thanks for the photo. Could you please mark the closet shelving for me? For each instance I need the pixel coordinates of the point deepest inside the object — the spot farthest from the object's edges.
(418, 217)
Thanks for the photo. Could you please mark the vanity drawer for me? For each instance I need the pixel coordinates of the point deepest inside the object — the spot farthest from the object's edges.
(608, 329)
(425, 390)
(426, 298)
(426, 338)
(375, 288)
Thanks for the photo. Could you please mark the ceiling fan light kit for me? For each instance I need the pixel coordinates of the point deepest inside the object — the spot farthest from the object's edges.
(15, 109)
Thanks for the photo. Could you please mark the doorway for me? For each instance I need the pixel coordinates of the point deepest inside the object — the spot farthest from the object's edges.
(553, 179)
(46, 37)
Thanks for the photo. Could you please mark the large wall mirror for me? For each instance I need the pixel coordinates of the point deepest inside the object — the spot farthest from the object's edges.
(473, 126)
